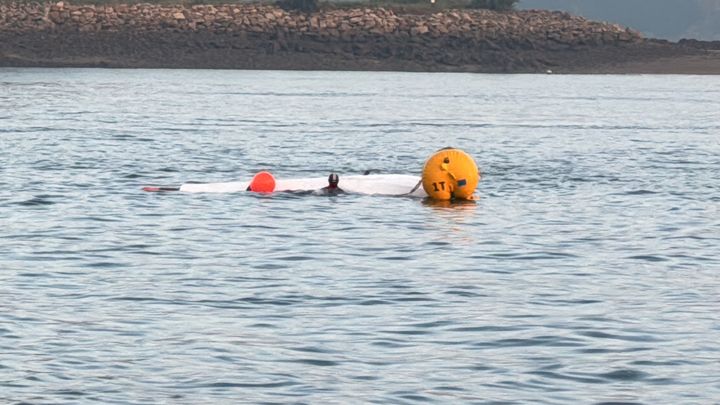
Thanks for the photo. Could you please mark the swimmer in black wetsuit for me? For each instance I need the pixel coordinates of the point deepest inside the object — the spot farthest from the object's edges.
(332, 187)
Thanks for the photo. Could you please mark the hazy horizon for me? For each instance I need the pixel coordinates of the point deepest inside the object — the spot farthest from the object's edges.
(667, 19)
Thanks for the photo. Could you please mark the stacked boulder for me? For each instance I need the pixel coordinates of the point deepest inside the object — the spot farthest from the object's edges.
(534, 29)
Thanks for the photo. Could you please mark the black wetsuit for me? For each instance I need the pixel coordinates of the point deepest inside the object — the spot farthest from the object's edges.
(332, 190)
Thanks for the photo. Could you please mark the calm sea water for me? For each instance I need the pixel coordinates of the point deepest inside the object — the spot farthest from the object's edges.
(587, 273)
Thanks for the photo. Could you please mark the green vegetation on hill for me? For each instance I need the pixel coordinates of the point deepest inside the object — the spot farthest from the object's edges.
(493, 4)
(307, 6)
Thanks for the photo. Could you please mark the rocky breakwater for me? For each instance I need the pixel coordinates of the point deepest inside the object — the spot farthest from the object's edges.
(255, 36)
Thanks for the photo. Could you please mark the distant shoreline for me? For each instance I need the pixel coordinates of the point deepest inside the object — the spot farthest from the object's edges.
(246, 36)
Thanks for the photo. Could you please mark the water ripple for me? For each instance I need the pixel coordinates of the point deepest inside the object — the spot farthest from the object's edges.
(585, 272)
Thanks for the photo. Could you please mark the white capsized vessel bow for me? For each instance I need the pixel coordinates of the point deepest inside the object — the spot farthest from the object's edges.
(374, 184)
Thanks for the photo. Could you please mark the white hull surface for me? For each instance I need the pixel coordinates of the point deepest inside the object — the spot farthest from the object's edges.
(374, 184)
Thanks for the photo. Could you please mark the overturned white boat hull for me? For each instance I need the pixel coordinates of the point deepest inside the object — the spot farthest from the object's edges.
(374, 184)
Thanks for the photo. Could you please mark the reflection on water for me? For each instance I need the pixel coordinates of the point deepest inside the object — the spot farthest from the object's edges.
(586, 272)
(453, 204)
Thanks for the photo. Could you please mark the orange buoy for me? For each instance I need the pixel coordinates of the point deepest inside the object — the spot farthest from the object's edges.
(263, 182)
(450, 174)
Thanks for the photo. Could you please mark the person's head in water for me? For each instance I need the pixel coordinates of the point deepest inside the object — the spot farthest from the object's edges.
(333, 180)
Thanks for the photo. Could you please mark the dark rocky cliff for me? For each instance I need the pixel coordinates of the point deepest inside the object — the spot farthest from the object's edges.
(254, 36)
